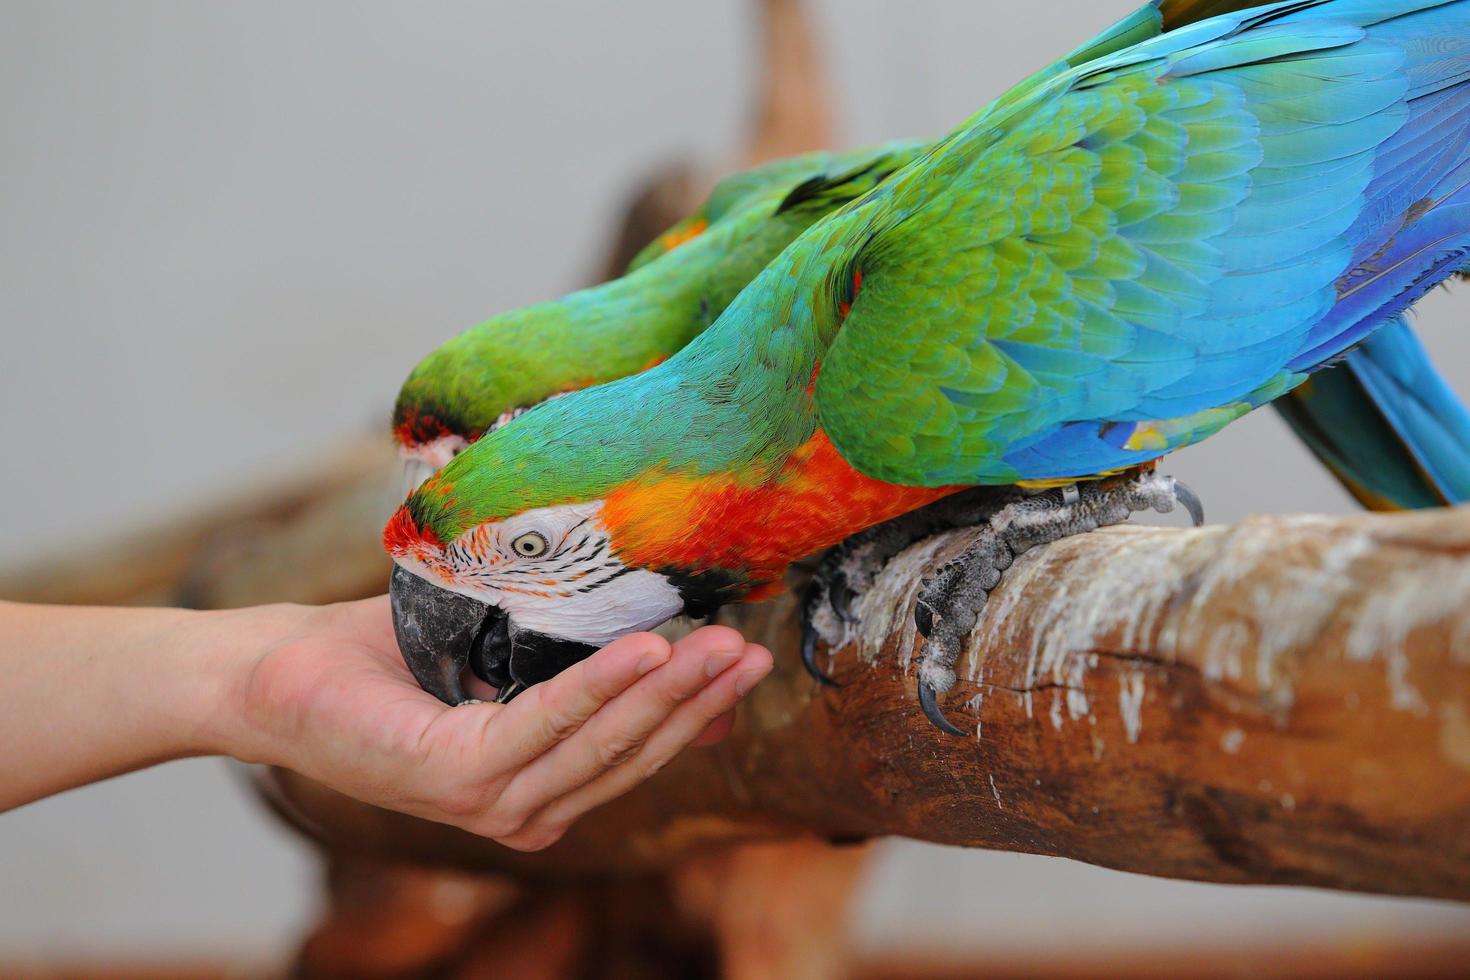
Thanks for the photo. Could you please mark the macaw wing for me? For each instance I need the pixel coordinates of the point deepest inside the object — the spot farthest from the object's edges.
(834, 171)
(769, 185)
(1123, 259)
(1384, 421)
(835, 178)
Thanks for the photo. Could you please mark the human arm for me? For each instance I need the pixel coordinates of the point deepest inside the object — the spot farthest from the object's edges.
(91, 693)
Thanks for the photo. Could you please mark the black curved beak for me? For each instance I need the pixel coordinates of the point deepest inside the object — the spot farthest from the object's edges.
(439, 632)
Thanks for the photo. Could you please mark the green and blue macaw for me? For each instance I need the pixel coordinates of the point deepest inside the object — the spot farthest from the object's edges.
(1385, 423)
(1129, 250)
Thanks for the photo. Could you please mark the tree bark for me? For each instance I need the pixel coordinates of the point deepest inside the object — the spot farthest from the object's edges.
(1282, 701)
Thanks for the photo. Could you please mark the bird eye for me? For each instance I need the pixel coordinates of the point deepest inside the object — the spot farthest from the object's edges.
(530, 545)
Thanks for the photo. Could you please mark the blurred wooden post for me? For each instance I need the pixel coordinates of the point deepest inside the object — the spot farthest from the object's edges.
(792, 113)
(793, 110)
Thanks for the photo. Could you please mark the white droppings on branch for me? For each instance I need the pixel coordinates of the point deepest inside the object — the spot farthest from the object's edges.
(1125, 587)
(1059, 603)
(1279, 618)
(1293, 603)
(1232, 740)
(973, 707)
(1077, 707)
(884, 611)
(1413, 598)
(1225, 651)
(1131, 690)
(1242, 604)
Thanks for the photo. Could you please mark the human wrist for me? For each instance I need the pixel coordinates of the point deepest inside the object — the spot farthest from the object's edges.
(216, 655)
(155, 685)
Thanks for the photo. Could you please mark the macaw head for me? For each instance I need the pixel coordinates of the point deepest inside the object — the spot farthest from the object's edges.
(536, 546)
(541, 538)
(481, 380)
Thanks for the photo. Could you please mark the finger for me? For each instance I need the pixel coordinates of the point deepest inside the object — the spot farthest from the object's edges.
(550, 712)
(717, 731)
(369, 621)
(682, 728)
(616, 733)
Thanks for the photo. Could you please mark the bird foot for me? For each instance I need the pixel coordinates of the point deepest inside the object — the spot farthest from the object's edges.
(950, 603)
(843, 575)
(847, 571)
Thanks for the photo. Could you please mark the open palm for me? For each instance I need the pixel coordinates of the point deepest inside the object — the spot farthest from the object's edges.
(333, 700)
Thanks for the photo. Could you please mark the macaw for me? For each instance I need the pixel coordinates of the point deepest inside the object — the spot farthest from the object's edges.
(1396, 441)
(1115, 259)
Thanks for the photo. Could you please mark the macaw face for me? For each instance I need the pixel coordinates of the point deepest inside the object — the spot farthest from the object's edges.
(422, 460)
(427, 444)
(428, 437)
(518, 600)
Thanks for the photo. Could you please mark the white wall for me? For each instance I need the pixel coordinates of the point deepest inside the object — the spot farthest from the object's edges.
(226, 232)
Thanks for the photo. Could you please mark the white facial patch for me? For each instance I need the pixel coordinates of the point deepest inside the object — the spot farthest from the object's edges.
(552, 570)
(427, 458)
(424, 460)
(640, 600)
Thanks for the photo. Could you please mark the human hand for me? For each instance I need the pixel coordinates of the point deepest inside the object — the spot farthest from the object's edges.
(325, 693)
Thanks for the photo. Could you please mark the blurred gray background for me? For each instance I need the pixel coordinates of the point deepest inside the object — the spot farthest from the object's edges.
(228, 230)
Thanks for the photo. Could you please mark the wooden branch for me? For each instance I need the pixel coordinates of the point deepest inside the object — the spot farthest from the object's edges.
(1286, 700)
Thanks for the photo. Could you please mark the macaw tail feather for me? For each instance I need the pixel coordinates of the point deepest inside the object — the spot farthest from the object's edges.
(1386, 424)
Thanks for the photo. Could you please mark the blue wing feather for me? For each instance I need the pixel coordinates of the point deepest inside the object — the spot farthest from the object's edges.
(1362, 182)
(1327, 190)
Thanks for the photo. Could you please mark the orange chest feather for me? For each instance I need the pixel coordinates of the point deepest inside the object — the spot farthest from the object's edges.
(724, 521)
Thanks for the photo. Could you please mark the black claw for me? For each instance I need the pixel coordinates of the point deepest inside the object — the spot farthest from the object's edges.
(924, 619)
(841, 598)
(1191, 503)
(810, 601)
(929, 701)
(809, 658)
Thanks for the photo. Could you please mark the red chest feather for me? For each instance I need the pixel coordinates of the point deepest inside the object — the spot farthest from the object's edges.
(756, 528)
